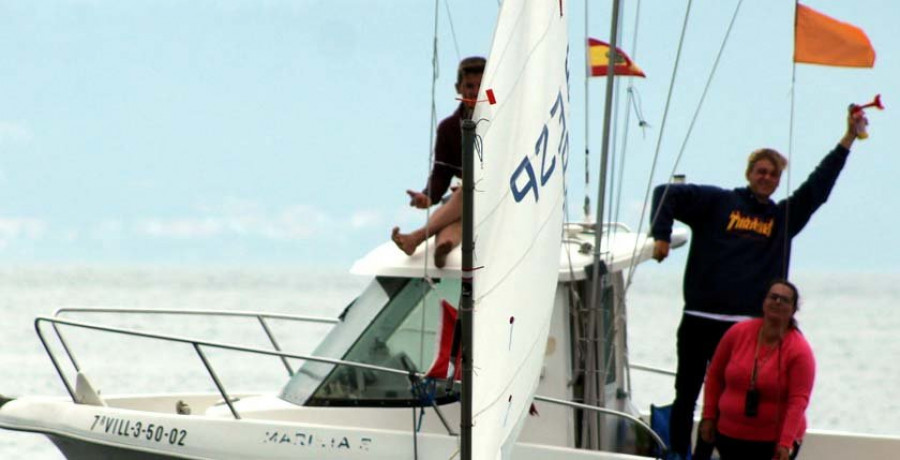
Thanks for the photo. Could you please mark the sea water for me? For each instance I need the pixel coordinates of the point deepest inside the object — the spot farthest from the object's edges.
(850, 320)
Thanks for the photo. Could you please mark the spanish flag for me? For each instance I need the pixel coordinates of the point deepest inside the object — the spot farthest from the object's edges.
(819, 39)
(598, 53)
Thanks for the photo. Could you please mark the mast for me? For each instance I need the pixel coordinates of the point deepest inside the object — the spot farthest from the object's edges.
(466, 302)
(598, 235)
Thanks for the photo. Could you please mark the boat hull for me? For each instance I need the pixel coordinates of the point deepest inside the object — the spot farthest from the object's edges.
(79, 449)
(101, 432)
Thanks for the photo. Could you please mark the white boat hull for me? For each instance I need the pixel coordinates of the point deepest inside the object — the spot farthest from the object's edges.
(98, 432)
(137, 430)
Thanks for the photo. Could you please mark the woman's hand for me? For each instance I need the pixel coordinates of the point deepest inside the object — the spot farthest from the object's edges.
(782, 453)
(707, 430)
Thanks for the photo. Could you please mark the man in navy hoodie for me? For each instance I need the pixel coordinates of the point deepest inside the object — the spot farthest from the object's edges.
(741, 240)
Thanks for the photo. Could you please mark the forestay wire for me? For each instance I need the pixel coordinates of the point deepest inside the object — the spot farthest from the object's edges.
(640, 242)
(435, 72)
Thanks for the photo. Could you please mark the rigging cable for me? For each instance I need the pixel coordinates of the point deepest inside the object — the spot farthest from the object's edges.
(428, 287)
(662, 130)
(787, 205)
(587, 105)
(687, 135)
(613, 138)
(452, 29)
(639, 242)
(580, 329)
(631, 103)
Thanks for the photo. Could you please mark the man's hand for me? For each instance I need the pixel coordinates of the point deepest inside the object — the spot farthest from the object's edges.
(707, 430)
(660, 250)
(418, 199)
(854, 121)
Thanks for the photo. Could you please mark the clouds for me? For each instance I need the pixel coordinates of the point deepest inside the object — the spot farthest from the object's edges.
(12, 133)
(232, 220)
(242, 218)
(179, 227)
(13, 229)
(365, 219)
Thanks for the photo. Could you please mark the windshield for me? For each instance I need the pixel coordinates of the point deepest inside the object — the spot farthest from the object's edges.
(398, 326)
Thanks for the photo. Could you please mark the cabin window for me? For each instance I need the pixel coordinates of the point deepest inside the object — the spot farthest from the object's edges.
(402, 336)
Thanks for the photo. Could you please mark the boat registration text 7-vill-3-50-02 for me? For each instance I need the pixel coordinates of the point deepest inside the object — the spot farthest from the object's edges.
(137, 429)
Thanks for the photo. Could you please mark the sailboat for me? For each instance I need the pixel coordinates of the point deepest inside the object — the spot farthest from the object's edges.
(352, 397)
(357, 393)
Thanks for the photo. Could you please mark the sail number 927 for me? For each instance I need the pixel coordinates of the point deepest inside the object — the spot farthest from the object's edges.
(138, 429)
(532, 182)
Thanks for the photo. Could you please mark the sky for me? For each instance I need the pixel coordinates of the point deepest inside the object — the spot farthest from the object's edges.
(276, 132)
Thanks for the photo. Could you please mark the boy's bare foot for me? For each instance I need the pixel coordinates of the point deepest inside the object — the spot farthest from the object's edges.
(440, 253)
(405, 242)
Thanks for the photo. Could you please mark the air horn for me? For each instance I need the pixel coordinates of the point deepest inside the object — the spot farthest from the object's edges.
(859, 116)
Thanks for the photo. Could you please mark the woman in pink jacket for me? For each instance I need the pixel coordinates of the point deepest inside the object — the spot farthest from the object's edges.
(759, 382)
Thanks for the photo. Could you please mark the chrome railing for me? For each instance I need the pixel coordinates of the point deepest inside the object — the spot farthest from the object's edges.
(637, 421)
(260, 316)
(197, 344)
(651, 369)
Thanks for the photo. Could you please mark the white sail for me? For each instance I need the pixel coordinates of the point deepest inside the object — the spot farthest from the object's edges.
(519, 192)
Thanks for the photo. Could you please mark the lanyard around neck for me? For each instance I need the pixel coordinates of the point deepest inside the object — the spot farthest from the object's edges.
(756, 363)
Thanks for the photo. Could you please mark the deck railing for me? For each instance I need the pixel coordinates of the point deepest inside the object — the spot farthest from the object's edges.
(197, 344)
(259, 316)
(602, 410)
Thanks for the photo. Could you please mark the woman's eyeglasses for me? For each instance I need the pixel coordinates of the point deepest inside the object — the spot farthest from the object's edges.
(778, 298)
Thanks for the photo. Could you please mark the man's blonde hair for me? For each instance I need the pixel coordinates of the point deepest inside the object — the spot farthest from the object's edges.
(772, 155)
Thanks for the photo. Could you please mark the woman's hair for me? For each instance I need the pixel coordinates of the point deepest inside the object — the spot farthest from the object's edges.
(793, 288)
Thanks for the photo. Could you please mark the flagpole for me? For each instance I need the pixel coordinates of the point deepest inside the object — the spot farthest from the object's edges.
(790, 149)
(600, 375)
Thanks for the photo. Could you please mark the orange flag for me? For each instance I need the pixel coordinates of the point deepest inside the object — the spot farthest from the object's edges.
(819, 39)
(599, 57)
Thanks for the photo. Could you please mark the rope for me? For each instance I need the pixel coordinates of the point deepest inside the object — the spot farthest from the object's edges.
(632, 103)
